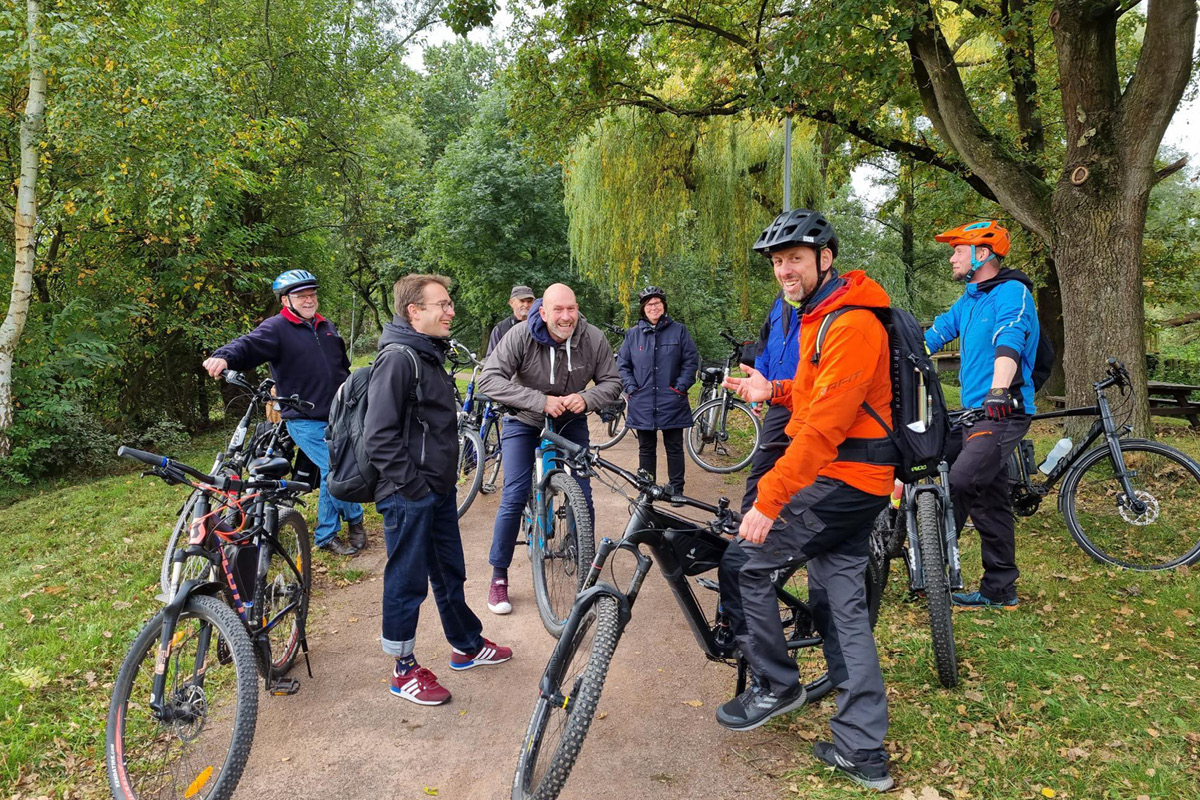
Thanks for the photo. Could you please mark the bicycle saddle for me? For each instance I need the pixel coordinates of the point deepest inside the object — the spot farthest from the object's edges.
(270, 467)
(713, 373)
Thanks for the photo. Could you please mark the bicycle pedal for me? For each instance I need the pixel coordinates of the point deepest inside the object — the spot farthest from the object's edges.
(282, 687)
(487, 488)
(709, 583)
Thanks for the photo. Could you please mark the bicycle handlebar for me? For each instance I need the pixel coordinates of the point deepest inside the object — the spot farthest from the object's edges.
(164, 467)
(263, 393)
(586, 458)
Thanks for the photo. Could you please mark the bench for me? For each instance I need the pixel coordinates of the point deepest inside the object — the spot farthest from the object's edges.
(1166, 400)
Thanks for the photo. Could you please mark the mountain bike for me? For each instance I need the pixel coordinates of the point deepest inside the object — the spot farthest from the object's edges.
(921, 530)
(267, 438)
(607, 425)
(1131, 503)
(725, 431)
(185, 702)
(570, 687)
(479, 456)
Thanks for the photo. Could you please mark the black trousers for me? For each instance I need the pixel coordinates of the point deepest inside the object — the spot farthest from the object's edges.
(648, 454)
(771, 445)
(980, 486)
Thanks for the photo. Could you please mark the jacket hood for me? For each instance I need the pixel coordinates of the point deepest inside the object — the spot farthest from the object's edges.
(537, 328)
(857, 290)
(398, 331)
(1002, 276)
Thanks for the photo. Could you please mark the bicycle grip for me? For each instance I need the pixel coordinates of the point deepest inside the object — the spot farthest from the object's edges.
(562, 443)
(141, 455)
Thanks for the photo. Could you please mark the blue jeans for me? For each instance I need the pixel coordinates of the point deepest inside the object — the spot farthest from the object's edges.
(424, 547)
(309, 436)
(517, 443)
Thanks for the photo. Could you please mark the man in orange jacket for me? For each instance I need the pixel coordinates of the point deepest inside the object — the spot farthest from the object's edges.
(817, 504)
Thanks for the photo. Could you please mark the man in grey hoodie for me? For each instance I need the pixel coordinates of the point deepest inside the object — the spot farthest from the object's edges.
(542, 368)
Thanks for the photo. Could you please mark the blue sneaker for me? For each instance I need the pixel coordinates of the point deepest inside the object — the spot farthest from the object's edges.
(975, 600)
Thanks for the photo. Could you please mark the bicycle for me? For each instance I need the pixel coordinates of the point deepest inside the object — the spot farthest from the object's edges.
(558, 531)
(921, 530)
(1130, 503)
(607, 426)
(725, 430)
(570, 686)
(184, 705)
(267, 439)
(478, 434)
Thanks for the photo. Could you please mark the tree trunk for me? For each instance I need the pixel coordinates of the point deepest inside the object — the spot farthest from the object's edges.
(1098, 255)
(24, 222)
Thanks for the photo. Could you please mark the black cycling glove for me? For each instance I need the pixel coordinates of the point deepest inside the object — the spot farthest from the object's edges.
(999, 403)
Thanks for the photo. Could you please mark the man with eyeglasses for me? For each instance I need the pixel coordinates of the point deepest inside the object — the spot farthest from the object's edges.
(307, 358)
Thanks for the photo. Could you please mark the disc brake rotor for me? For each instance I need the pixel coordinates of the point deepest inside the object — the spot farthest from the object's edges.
(1147, 517)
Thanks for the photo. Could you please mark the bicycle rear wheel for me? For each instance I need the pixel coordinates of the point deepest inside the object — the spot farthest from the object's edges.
(1166, 534)
(563, 549)
(607, 426)
(211, 701)
(492, 456)
(469, 471)
(564, 712)
(931, 536)
(283, 588)
(722, 439)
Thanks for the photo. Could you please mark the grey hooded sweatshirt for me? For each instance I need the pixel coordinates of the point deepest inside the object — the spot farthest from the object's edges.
(528, 365)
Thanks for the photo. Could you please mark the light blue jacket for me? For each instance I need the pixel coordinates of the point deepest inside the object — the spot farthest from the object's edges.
(992, 318)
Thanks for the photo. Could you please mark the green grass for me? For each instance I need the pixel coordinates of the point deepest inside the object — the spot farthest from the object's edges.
(80, 578)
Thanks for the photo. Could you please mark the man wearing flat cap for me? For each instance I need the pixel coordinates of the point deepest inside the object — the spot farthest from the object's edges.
(519, 300)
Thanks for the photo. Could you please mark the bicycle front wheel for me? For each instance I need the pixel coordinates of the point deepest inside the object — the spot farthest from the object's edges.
(198, 745)
(1161, 534)
(609, 426)
(563, 549)
(469, 474)
(286, 591)
(931, 536)
(194, 567)
(722, 439)
(564, 711)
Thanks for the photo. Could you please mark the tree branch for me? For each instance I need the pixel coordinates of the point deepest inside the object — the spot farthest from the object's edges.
(1177, 322)
(1163, 69)
(1011, 183)
(688, 21)
(1022, 71)
(1167, 171)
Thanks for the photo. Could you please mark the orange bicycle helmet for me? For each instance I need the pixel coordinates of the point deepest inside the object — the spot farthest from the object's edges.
(987, 233)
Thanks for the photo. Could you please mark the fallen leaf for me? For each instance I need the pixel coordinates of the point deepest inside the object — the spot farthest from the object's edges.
(54, 589)
(354, 619)
(431, 790)
(693, 703)
(1152, 732)
(602, 715)
(1047, 792)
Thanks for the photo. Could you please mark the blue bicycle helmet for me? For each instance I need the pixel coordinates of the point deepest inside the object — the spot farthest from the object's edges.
(293, 281)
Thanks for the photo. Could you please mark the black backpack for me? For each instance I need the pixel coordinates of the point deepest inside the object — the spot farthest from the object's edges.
(351, 476)
(917, 444)
(1043, 362)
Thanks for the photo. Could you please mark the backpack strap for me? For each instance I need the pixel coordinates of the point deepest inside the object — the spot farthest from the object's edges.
(826, 322)
(416, 396)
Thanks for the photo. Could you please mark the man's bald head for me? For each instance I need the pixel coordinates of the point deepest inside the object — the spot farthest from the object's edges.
(559, 311)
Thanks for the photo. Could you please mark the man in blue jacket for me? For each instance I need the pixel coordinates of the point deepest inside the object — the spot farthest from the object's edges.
(997, 326)
(307, 358)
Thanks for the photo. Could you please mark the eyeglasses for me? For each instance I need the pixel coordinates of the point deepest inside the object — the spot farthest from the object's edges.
(445, 305)
(655, 303)
(303, 295)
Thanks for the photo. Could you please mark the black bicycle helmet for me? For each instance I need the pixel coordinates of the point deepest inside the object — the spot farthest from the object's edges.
(652, 291)
(800, 226)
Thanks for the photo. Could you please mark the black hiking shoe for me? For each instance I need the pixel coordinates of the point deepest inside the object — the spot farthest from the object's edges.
(357, 535)
(753, 707)
(337, 547)
(873, 775)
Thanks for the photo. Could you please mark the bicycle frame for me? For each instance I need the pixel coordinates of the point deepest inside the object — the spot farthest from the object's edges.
(546, 464)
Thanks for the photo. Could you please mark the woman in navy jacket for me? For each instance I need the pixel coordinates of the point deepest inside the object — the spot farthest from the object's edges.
(658, 364)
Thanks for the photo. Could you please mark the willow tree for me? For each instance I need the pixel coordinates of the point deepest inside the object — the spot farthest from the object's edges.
(1062, 131)
(644, 191)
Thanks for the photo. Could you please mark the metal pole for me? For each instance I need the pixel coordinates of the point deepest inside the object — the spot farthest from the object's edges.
(787, 164)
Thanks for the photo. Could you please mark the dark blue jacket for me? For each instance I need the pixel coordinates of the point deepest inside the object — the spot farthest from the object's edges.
(307, 358)
(658, 365)
(779, 343)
